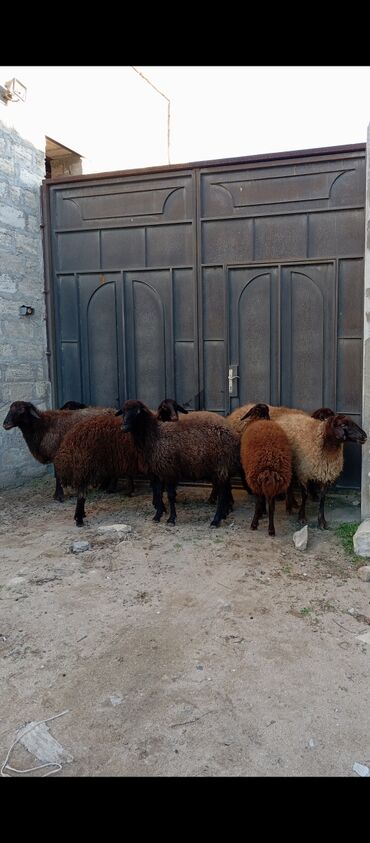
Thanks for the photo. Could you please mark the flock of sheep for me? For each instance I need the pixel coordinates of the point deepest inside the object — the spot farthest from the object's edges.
(271, 448)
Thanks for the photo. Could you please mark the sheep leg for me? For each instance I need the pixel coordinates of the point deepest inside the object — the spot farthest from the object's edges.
(271, 503)
(323, 524)
(80, 513)
(157, 487)
(290, 501)
(58, 494)
(171, 494)
(152, 483)
(302, 510)
(111, 486)
(222, 504)
(213, 496)
(130, 486)
(259, 505)
(312, 490)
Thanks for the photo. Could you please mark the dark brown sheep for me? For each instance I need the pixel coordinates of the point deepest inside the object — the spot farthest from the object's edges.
(266, 458)
(190, 450)
(43, 430)
(95, 452)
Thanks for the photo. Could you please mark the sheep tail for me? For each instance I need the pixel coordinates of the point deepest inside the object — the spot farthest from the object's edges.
(271, 482)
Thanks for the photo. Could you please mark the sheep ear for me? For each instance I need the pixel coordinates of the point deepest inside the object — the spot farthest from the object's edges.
(119, 413)
(248, 414)
(34, 413)
(181, 409)
(340, 430)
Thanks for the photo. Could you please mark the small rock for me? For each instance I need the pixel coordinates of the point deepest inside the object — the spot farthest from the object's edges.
(115, 528)
(361, 770)
(311, 744)
(355, 503)
(350, 611)
(80, 546)
(300, 538)
(365, 637)
(361, 539)
(115, 699)
(15, 581)
(364, 573)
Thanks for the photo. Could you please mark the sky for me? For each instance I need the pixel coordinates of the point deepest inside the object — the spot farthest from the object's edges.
(222, 112)
(116, 119)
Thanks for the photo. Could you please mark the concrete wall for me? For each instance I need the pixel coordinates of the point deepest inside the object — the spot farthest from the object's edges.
(365, 490)
(23, 361)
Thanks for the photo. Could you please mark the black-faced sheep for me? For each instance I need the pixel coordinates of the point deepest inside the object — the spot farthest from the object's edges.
(189, 450)
(43, 430)
(73, 405)
(97, 453)
(94, 452)
(317, 448)
(215, 418)
(266, 457)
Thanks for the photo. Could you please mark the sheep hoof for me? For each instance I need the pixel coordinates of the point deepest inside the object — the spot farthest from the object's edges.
(323, 524)
(215, 523)
(157, 517)
(271, 532)
(171, 521)
(254, 526)
(79, 523)
(59, 498)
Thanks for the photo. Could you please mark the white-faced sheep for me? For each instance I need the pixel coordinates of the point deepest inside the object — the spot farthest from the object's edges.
(43, 430)
(189, 450)
(317, 448)
(266, 457)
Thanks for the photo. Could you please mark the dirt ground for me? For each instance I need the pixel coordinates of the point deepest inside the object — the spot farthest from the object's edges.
(182, 651)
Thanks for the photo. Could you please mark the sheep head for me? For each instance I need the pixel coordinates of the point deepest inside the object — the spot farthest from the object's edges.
(169, 410)
(133, 414)
(323, 413)
(20, 414)
(73, 405)
(259, 411)
(344, 429)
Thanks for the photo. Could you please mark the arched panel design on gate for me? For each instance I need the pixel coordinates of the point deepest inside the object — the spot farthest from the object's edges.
(101, 317)
(307, 332)
(254, 331)
(149, 344)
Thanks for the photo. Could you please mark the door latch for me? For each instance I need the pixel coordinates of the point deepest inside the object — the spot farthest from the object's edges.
(233, 386)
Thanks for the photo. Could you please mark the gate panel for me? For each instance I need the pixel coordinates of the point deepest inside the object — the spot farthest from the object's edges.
(255, 264)
(123, 255)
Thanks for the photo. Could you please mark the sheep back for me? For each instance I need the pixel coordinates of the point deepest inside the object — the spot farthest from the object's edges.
(311, 460)
(95, 451)
(266, 457)
(194, 449)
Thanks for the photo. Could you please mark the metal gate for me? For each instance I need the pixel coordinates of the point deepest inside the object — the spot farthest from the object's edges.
(217, 284)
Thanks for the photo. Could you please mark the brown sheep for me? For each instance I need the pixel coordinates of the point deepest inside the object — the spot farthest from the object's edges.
(317, 448)
(189, 450)
(43, 430)
(238, 420)
(94, 452)
(266, 457)
(215, 418)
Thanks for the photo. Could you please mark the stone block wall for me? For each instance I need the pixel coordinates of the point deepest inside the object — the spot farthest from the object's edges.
(23, 361)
